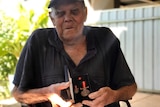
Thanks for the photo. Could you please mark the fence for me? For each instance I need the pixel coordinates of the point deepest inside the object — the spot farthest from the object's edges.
(139, 32)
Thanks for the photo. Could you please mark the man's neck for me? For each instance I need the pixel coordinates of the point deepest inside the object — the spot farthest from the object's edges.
(77, 50)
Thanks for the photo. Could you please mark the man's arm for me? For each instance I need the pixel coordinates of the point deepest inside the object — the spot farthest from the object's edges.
(31, 96)
(39, 95)
(126, 93)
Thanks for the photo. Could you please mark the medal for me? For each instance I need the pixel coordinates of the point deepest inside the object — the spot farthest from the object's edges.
(84, 91)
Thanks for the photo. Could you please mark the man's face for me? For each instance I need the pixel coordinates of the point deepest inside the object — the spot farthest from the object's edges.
(68, 20)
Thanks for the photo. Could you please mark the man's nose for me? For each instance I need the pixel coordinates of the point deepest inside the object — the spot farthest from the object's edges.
(68, 16)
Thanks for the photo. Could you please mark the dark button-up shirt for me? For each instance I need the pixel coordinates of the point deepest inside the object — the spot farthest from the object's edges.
(43, 59)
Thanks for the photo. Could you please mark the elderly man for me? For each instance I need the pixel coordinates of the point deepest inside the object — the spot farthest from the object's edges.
(40, 78)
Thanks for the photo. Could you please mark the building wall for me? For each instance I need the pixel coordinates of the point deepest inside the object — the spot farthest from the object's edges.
(102, 4)
(139, 32)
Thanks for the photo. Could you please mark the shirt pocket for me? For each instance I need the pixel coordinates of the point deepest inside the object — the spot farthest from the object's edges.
(52, 79)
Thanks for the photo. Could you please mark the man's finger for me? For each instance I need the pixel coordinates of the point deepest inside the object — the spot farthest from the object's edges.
(55, 99)
(77, 105)
(63, 85)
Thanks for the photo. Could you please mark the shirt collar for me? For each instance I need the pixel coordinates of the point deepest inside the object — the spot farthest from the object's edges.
(56, 42)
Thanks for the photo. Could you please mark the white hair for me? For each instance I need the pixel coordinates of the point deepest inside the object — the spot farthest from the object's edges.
(52, 12)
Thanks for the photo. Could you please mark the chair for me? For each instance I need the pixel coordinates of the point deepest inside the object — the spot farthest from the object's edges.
(127, 103)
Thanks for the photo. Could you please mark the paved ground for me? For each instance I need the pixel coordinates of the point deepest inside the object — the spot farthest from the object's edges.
(139, 100)
(145, 100)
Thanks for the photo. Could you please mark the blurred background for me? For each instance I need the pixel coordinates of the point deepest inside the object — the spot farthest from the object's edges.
(135, 22)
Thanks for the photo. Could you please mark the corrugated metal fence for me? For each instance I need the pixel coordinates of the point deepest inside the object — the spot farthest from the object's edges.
(139, 32)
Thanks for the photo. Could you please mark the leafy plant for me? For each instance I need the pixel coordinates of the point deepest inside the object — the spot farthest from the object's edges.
(13, 35)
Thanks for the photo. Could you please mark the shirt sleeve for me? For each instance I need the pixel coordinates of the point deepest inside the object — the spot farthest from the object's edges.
(122, 75)
(117, 71)
(24, 75)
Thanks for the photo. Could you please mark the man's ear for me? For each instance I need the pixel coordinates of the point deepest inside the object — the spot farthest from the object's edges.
(52, 17)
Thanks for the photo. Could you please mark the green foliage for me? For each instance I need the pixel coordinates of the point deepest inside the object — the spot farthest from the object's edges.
(13, 35)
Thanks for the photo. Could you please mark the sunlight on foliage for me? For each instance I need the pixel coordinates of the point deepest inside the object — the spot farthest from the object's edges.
(13, 36)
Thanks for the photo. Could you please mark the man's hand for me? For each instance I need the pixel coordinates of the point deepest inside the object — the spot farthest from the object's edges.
(54, 91)
(56, 88)
(56, 100)
(106, 95)
(102, 97)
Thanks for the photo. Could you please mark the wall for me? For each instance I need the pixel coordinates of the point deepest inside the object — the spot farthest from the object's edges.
(139, 32)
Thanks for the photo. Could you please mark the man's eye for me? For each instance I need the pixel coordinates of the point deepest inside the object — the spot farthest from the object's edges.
(75, 11)
(60, 13)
